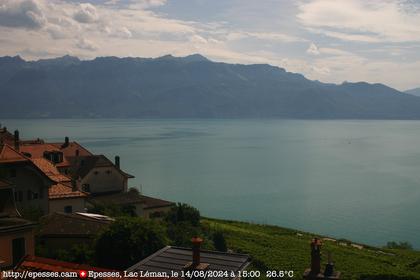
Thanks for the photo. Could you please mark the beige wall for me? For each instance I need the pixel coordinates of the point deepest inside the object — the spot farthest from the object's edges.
(29, 179)
(6, 251)
(78, 204)
(104, 182)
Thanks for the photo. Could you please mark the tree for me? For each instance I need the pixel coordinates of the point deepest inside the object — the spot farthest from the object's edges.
(127, 241)
(184, 213)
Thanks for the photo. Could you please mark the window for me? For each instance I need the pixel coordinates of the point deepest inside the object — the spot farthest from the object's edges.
(108, 172)
(68, 209)
(96, 172)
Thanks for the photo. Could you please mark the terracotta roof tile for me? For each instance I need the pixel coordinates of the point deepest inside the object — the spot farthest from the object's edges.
(37, 150)
(8, 154)
(70, 150)
(61, 190)
(50, 170)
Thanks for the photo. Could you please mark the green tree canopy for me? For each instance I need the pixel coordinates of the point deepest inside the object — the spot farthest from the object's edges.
(127, 241)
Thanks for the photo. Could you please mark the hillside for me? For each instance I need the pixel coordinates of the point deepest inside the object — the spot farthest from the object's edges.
(414, 91)
(275, 248)
(185, 87)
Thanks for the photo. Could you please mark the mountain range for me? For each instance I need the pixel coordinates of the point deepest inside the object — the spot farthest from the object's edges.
(414, 91)
(185, 87)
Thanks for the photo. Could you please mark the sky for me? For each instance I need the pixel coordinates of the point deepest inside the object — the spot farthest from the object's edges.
(327, 40)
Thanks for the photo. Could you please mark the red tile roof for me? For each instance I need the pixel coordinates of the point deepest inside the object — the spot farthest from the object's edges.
(70, 150)
(61, 190)
(37, 150)
(8, 154)
(50, 170)
(63, 187)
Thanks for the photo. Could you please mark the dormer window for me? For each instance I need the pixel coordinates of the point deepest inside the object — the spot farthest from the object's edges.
(54, 156)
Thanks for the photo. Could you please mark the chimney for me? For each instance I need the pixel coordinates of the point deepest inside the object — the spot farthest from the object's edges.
(16, 140)
(316, 256)
(196, 264)
(196, 247)
(315, 272)
(117, 161)
(66, 142)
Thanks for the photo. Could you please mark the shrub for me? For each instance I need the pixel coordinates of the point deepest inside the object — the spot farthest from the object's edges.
(127, 241)
(184, 213)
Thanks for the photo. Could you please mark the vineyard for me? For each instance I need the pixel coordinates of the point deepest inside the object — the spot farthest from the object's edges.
(278, 249)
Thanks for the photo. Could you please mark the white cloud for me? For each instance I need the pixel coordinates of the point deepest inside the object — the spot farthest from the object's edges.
(86, 44)
(313, 49)
(86, 13)
(269, 36)
(360, 20)
(125, 32)
(21, 13)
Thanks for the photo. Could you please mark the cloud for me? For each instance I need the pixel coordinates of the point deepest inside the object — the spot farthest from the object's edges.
(22, 13)
(313, 49)
(360, 20)
(86, 44)
(86, 14)
(268, 36)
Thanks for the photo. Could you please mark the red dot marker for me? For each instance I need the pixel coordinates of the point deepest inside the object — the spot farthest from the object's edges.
(82, 274)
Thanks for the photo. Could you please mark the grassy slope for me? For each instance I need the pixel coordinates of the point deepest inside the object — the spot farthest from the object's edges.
(276, 248)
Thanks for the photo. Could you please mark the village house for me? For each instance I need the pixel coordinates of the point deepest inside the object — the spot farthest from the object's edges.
(144, 206)
(64, 196)
(16, 234)
(30, 184)
(96, 174)
(80, 178)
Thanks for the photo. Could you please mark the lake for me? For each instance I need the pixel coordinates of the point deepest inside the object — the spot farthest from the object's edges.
(358, 180)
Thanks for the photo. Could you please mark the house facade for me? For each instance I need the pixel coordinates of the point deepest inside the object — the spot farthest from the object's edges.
(96, 174)
(30, 183)
(16, 234)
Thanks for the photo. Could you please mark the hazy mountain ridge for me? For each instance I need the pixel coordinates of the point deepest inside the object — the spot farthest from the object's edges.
(185, 87)
(414, 91)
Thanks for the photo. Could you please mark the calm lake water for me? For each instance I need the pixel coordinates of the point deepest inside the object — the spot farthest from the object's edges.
(347, 179)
